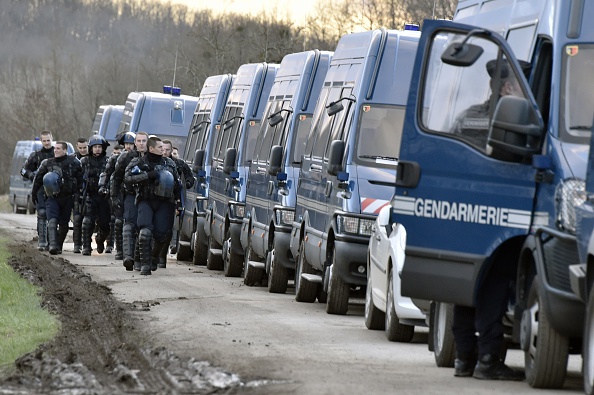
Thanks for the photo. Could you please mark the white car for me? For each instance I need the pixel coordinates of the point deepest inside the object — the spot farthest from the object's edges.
(385, 307)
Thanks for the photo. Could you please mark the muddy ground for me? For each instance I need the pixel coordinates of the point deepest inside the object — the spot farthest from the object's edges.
(101, 348)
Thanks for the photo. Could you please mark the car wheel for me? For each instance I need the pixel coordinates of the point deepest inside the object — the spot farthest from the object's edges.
(443, 338)
(232, 263)
(545, 351)
(395, 331)
(588, 351)
(184, 252)
(213, 261)
(278, 276)
(305, 291)
(338, 292)
(200, 251)
(251, 275)
(374, 317)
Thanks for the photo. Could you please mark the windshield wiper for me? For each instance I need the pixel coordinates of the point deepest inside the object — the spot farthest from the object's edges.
(378, 157)
(581, 127)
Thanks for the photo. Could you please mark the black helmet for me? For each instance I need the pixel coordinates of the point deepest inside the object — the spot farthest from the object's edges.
(164, 184)
(98, 140)
(127, 137)
(51, 183)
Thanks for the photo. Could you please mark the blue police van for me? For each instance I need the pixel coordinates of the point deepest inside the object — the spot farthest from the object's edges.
(107, 121)
(274, 170)
(493, 155)
(349, 163)
(167, 115)
(231, 158)
(198, 155)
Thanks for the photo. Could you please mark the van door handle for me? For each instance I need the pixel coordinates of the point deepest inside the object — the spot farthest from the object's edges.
(316, 168)
(328, 188)
(261, 170)
(270, 187)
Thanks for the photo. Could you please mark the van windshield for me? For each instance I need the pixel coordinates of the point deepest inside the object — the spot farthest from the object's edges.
(577, 94)
(380, 132)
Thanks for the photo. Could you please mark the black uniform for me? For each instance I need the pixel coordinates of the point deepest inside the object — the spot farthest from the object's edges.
(96, 206)
(130, 213)
(117, 215)
(59, 207)
(28, 172)
(187, 179)
(155, 211)
(77, 218)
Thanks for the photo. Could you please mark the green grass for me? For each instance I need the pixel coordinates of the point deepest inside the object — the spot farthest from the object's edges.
(24, 325)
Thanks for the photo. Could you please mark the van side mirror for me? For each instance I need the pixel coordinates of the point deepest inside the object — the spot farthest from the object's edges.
(515, 134)
(335, 157)
(275, 160)
(334, 108)
(229, 161)
(275, 119)
(198, 161)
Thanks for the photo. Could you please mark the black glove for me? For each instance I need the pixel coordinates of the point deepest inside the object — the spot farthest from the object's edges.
(153, 174)
(103, 191)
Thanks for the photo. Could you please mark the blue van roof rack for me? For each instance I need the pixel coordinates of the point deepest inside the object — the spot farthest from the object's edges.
(412, 26)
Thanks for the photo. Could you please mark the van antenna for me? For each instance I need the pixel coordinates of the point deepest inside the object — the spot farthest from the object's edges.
(137, 72)
(174, 68)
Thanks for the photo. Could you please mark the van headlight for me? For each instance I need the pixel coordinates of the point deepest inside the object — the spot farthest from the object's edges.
(236, 210)
(354, 225)
(569, 195)
(284, 216)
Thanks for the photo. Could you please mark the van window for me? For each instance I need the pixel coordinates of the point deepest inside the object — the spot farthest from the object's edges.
(319, 111)
(97, 120)
(457, 100)
(344, 118)
(577, 93)
(466, 12)
(251, 137)
(274, 134)
(198, 131)
(303, 127)
(326, 122)
(228, 130)
(520, 40)
(380, 132)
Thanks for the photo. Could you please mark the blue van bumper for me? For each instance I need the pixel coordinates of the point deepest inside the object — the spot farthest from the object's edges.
(351, 260)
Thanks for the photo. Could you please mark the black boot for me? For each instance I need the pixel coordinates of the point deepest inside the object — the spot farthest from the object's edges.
(145, 237)
(117, 236)
(52, 235)
(128, 245)
(464, 365)
(77, 232)
(490, 367)
(87, 231)
(109, 241)
(62, 233)
(42, 233)
(102, 234)
(162, 253)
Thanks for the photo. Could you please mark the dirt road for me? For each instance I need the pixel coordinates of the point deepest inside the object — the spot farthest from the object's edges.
(183, 320)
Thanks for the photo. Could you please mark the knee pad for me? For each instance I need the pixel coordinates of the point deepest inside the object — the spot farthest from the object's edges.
(87, 223)
(145, 235)
(77, 219)
(41, 214)
(52, 223)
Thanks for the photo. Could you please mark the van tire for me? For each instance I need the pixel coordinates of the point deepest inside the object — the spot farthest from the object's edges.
(278, 276)
(200, 251)
(184, 252)
(304, 290)
(338, 292)
(443, 339)
(588, 349)
(395, 331)
(232, 263)
(545, 363)
(251, 275)
(213, 262)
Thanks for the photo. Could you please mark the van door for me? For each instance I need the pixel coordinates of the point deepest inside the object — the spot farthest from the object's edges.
(459, 194)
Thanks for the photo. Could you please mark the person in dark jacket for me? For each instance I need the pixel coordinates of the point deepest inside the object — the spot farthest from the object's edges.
(28, 173)
(82, 150)
(61, 179)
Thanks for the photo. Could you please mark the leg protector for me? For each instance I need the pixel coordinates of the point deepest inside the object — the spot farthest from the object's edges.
(173, 242)
(102, 235)
(158, 249)
(164, 250)
(87, 231)
(42, 232)
(145, 237)
(136, 257)
(52, 235)
(62, 233)
(128, 243)
(77, 232)
(117, 235)
(110, 240)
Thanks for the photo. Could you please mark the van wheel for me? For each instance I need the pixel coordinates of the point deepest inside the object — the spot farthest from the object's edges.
(443, 338)
(251, 275)
(278, 276)
(395, 331)
(200, 251)
(305, 291)
(338, 292)
(184, 252)
(30, 206)
(588, 350)
(545, 350)
(232, 263)
(213, 261)
(374, 317)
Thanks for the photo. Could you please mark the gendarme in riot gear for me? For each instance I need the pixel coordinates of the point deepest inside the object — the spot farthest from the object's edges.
(51, 184)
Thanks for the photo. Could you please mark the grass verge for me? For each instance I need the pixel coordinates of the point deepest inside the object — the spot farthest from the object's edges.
(24, 325)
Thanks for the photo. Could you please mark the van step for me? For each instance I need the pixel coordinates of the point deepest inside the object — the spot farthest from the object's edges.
(184, 243)
(312, 278)
(257, 265)
(216, 252)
